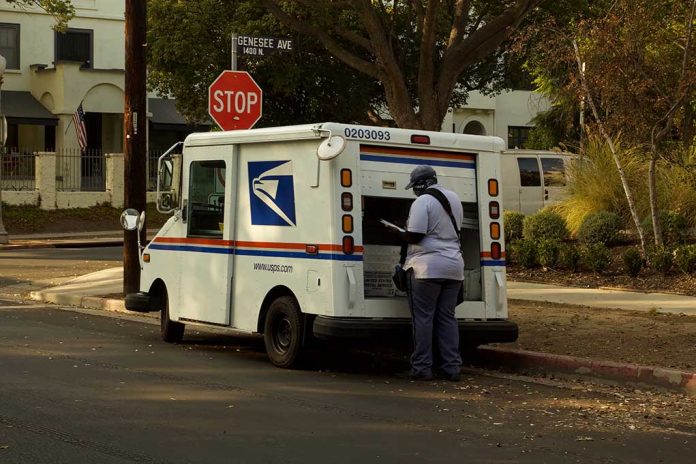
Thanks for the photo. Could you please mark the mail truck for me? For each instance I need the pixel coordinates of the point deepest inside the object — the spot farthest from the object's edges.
(278, 231)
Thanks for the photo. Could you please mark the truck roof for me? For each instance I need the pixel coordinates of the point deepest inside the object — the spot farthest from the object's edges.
(520, 151)
(402, 137)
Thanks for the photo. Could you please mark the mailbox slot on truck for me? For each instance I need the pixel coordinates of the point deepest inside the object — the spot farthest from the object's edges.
(277, 231)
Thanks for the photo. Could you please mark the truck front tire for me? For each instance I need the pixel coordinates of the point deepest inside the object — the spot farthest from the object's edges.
(282, 332)
(172, 332)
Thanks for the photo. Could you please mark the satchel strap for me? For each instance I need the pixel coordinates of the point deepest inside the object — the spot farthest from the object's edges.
(448, 209)
(445, 204)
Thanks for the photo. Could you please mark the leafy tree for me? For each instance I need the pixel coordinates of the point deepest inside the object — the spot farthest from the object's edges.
(189, 46)
(62, 10)
(427, 54)
(634, 66)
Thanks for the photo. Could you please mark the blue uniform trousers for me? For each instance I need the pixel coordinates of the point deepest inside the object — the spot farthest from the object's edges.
(432, 303)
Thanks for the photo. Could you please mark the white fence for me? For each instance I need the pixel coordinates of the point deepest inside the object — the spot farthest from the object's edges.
(66, 179)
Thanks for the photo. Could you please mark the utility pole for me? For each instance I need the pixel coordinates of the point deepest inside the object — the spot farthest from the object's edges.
(135, 143)
(3, 139)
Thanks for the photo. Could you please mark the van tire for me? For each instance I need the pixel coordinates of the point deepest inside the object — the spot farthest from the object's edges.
(282, 332)
(172, 332)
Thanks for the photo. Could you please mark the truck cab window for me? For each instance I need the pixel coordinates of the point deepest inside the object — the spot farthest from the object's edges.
(529, 172)
(206, 199)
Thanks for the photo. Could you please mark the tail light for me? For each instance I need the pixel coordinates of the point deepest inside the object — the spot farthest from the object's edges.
(346, 178)
(493, 187)
(494, 209)
(495, 250)
(495, 230)
(347, 201)
(421, 139)
(348, 245)
(347, 224)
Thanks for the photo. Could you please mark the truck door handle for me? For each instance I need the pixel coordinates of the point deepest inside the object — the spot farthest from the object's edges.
(546, 194)
(352, 287)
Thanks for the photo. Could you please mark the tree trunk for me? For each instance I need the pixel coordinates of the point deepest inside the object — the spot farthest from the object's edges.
(619, 167)
(654, 211)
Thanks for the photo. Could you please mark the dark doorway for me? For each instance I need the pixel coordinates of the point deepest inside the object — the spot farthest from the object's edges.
(92, 170)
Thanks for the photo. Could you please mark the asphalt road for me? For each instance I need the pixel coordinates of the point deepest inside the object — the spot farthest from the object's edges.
(84, 387)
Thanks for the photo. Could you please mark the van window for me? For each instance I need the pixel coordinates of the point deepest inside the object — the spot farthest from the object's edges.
(529, 172)
(554, 172)
(206, 199)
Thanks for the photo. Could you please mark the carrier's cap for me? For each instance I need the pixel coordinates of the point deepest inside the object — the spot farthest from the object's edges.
(420, 173)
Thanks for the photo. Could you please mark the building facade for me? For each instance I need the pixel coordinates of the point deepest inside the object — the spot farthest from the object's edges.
(49, 74)
(507, 115)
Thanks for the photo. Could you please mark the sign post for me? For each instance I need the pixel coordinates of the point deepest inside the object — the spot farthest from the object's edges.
(235, 100)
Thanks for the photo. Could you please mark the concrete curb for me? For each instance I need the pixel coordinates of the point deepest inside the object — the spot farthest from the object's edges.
(570, 366)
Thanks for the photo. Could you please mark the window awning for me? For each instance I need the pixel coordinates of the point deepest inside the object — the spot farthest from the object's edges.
(22, 108)
(165, 116)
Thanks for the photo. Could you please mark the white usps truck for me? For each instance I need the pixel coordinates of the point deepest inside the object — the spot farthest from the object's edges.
(277, 231)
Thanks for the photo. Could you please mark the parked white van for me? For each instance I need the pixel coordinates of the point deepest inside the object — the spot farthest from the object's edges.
(533, 179)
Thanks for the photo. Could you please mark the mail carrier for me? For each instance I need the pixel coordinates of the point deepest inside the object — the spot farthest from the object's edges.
(277, 231)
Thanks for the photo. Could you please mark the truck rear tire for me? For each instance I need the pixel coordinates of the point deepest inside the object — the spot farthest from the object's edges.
(172, 332)
(282, 332)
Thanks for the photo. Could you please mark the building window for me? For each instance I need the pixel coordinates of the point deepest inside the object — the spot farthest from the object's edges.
(74, 45)
(517, 136)
(474, 128)
(9, 44)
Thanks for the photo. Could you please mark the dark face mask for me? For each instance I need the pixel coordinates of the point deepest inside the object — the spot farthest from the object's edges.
(420, 186)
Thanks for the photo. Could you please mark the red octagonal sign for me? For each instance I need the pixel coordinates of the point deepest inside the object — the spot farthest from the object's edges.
(235, 100)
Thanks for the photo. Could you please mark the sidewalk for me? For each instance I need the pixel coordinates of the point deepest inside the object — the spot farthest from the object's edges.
(68, 239)
(89, 291)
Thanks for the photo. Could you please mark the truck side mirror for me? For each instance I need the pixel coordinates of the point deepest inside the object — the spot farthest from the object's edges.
(130, 219)
(331, 147)
(168, 182)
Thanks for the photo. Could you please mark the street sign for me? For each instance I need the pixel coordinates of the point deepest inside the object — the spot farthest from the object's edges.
(262, 46)
(235, 100)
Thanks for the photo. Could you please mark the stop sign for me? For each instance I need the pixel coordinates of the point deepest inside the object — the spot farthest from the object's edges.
(234, 100)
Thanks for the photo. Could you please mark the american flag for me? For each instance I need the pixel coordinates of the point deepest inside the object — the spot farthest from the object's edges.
(79, 122)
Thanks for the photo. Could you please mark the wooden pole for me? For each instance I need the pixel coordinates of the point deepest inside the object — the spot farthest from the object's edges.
(134, 128)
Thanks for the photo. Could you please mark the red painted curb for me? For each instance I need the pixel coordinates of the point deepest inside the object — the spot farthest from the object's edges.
(670, 379)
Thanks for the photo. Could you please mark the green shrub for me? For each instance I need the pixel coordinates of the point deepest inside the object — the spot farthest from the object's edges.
(685, 258)
(661, 259)
(545, 224)
(547, 252)
(512, 221)
(569, 257)
(633, 261)
(596, 257)
(524, 252)
(673, 224)
(600, 227)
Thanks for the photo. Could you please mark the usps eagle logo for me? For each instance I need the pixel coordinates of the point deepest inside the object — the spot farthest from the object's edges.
(272, 193)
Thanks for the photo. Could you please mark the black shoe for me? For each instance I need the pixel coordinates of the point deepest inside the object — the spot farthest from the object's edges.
(454, 377)
(426, 377)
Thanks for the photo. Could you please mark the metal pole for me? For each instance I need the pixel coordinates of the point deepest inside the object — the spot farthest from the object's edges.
(234, 51)
(3, 233)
